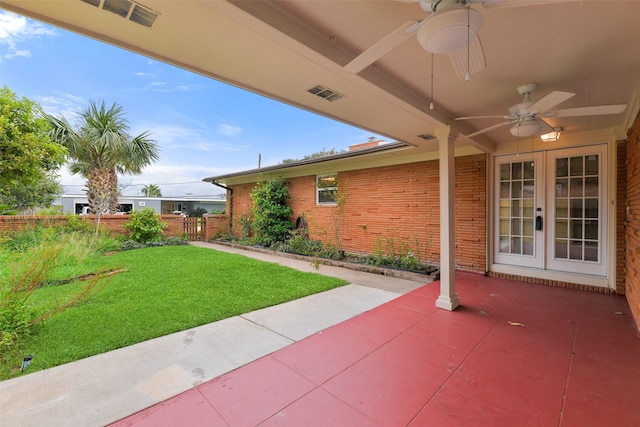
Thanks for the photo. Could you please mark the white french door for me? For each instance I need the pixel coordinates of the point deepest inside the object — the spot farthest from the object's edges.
(551, 211)
(519, 201)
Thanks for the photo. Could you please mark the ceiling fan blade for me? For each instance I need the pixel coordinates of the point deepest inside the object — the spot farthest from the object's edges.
(596, 110)
(486, 117)
(383, 46)
(489, 4)
(548, 102)
(472, 61)
(490, 128)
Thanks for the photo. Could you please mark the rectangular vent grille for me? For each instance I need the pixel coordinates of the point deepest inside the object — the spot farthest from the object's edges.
(143, 16)
(119, 7)
(325, 93)
(127, 9)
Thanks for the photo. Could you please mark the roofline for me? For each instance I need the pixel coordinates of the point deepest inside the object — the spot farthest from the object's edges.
(169, 198)
(322, 159)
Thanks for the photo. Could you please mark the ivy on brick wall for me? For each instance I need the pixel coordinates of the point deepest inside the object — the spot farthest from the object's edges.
(271, 215)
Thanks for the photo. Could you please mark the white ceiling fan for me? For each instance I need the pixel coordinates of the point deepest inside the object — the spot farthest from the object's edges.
(451, 26)
(527, 116)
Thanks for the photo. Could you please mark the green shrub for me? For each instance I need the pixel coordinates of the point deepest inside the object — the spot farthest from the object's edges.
(299, 243)
(271, 215)
(76, 223)
(397, 253)
(131, 245)
(145, 226)
(169, 241)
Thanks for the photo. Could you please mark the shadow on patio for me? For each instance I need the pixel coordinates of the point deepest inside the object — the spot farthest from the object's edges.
(514, 354)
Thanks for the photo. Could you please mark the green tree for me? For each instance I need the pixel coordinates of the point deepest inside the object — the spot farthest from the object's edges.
(322, 153)
(100, 148)
(39, 194)
(28, 156)
(151, 190)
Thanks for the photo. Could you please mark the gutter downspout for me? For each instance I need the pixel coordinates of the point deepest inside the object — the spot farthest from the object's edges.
(230, 190)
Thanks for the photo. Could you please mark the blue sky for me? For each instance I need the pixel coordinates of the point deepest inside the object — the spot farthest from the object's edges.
(203, 127)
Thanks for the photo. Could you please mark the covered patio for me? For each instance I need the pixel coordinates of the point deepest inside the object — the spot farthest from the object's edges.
(368, 63)
(513, 353)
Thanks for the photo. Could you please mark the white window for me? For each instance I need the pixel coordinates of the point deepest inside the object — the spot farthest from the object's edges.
(327, 189)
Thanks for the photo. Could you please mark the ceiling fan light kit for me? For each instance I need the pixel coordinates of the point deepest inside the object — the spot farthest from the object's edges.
(450, 29)
(552, 136)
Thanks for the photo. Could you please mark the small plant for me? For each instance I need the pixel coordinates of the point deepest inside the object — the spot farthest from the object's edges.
(145, 226)
(169, 241)
(131, 245)
(299, 243)
(246, 226)
(397, 253)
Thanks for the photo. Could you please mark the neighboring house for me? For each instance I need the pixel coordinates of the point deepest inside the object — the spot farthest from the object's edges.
(79, 204)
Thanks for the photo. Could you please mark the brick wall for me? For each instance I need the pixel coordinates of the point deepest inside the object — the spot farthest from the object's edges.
(393, 206)
(214, 225)
(632, 223)
(621, 197)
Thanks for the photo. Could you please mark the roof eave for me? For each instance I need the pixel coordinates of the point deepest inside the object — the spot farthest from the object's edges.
(330, 158)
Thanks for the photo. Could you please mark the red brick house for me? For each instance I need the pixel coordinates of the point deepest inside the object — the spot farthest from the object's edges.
(392, 194)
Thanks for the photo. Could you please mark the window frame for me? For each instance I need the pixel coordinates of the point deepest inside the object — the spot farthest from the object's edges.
(328, 190)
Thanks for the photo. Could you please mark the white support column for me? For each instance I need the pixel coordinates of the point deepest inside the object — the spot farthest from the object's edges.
(448, 298)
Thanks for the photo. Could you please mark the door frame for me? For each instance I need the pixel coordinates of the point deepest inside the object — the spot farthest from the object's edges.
(608, 281)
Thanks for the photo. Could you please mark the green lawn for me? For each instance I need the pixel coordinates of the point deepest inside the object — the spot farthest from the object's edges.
(163, 290)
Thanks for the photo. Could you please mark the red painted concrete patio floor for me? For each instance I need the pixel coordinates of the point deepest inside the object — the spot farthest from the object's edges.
(514, 354)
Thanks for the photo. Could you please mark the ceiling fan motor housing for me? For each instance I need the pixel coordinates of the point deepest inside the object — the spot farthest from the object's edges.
(521, 109)
(451, 27)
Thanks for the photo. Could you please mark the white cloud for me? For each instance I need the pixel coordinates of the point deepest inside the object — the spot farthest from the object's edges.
(186, 137)
(64, 104)
(229, 130)
(15, 30)
(22, 53)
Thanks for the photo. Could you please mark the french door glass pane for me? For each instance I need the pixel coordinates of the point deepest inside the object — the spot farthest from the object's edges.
(517, 208)
(577, 222)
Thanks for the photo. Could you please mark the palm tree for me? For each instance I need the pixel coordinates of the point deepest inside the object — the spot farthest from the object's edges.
(100, 149)
(151, 190)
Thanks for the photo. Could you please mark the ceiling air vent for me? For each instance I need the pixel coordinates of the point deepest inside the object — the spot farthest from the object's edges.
(143, 16)
(127, 9)
(426, 136)
(325, 93)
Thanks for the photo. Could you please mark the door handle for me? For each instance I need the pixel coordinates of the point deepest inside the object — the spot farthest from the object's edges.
(538, 223)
